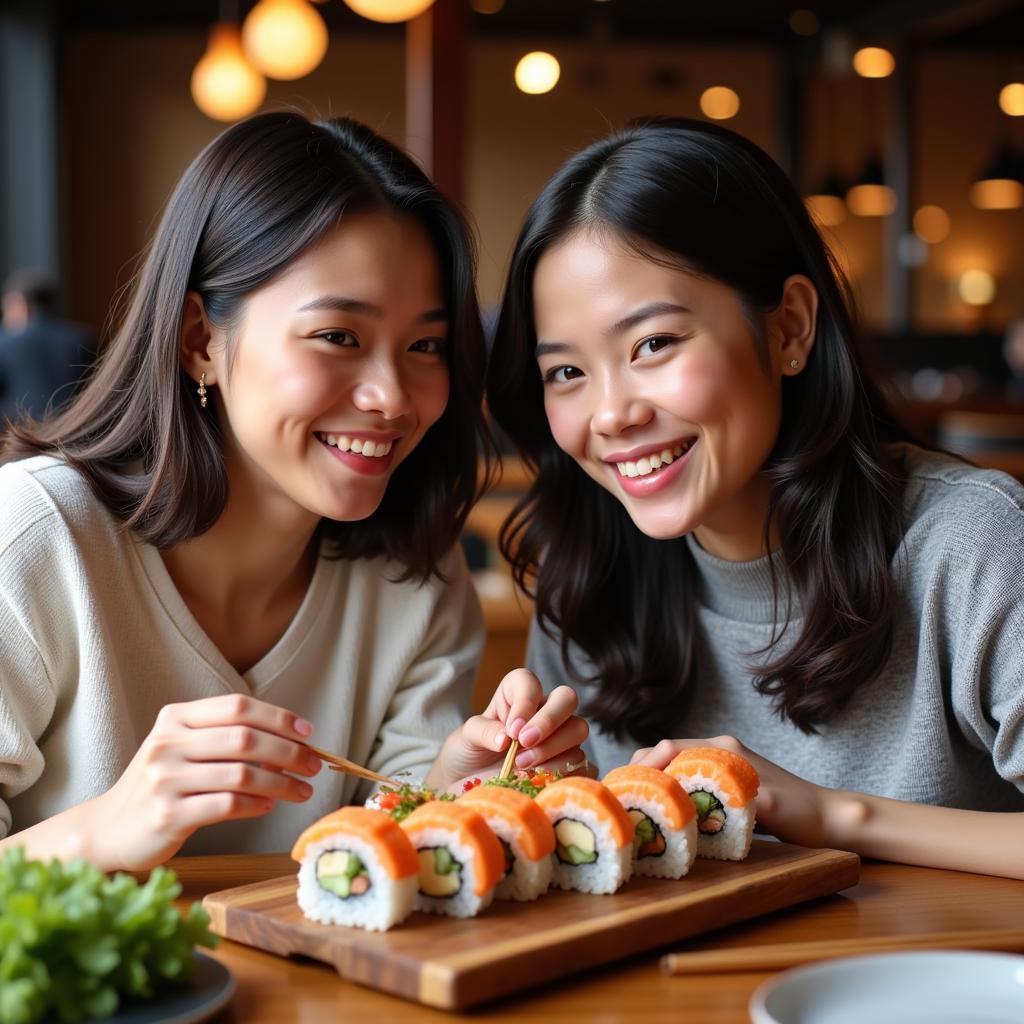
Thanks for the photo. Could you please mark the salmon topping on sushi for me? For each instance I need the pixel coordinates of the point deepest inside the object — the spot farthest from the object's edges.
(394, 851)
(734, 776)
(520, 812)
(470, 829)
(590, 795)
(644, 782)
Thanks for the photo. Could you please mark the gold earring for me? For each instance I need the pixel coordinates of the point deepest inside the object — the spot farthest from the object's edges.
(794, 363)
(202, 390)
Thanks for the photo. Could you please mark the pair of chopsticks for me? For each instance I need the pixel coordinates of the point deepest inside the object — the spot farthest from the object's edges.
(510, 758)
(791, 954)
(341, 764)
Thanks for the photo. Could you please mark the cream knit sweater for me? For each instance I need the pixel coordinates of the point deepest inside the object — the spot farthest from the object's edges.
(95, 639)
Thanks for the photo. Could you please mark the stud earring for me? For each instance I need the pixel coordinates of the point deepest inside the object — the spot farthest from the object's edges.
(202, 390)
(794, 363)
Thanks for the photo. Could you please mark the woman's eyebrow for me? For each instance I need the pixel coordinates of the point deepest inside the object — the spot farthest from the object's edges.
(638, 316)
(547, 348)
(345, 305)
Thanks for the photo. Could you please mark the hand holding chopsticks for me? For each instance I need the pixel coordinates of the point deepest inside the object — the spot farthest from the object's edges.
(792, 954)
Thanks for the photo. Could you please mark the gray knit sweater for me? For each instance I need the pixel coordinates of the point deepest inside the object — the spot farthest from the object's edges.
(943, 723)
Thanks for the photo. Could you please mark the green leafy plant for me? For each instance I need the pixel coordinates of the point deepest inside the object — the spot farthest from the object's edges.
(74, 941)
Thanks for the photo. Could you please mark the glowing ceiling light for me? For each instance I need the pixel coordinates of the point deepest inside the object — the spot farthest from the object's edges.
(977, 287)
(224, 85)
(874, 62)
(285, 39)
(931, 224)
(537, 72)
(720, 102)
(389, 11)
(1011, 99)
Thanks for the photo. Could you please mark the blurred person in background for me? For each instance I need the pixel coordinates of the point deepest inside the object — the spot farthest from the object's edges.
(43, 358)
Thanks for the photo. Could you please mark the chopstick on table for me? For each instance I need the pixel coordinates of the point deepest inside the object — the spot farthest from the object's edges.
(341, 764)
(510, 757)
(791, 954)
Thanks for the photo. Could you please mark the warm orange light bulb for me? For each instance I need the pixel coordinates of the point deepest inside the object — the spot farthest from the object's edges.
(224, 85)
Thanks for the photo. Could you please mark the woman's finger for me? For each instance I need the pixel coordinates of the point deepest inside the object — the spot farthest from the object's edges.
(559, 706)
(524, 694)
(485, 733)
(194, 812)
(243, 743)
(241, 778)
(567, 736)
(236, 709)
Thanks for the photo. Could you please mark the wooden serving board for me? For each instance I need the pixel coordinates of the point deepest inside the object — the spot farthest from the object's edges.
(452, 963)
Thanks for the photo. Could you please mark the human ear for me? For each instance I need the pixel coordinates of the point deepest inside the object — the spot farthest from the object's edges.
(196, 340)
(792, 325)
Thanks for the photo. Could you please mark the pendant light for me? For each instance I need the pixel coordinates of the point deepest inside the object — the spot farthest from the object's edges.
(826, 203)
(869, 196)
(285, 39)
(224, 85)
(389, 11)
(1000, 185)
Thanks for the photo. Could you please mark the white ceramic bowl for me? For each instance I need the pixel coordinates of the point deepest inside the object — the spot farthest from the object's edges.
(897, 988)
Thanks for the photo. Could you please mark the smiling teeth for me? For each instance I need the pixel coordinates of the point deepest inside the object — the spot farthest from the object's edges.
(649, 463)
(368, 449)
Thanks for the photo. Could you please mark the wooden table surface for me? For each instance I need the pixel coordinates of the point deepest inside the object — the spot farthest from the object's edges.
(890, 900)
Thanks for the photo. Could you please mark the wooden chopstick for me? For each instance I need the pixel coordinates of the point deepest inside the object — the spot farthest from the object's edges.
(341, 764)
(510, 757)
(790, 954)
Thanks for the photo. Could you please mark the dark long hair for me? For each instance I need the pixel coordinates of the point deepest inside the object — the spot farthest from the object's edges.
(255, 199)
(706, 200)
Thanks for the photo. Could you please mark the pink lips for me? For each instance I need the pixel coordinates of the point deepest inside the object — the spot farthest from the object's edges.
(642, 486)
(360, 463)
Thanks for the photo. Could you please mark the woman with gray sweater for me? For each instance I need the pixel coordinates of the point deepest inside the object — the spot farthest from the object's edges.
(728, 538)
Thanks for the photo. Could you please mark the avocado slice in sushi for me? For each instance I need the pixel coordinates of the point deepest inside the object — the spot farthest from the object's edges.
(710, 812)
(648, 841)
(440, 872)
(575, 842)
(342, 873)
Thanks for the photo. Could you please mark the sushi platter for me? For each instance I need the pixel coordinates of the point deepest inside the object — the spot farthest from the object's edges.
(452, 963)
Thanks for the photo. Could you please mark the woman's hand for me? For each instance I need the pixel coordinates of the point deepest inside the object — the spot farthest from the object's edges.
(550, 734)
(788, 807)
(204, 761)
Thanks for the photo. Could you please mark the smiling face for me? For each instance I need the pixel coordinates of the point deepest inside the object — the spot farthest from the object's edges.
(655, 383)
(336, 370)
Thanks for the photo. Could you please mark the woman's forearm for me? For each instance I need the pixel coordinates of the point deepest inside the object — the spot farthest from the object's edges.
(985, 842)
(65, 836)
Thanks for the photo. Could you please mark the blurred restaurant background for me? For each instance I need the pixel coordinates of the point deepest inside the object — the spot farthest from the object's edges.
(901, 121)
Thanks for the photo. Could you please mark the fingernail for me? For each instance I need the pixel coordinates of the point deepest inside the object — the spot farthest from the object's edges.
(305, 790)
(526, 758)
(303, 728)
(529, 736)
(512, 730)
(499, 741)
(313, 763)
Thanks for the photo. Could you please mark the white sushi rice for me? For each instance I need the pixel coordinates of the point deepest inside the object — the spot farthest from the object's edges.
(733, 841)
(465, 903)
(613, 865)
(528, 879)
(680, 844)
(384, 904)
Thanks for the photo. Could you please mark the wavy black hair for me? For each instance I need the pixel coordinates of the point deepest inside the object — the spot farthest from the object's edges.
(257, 197)
(706, 200)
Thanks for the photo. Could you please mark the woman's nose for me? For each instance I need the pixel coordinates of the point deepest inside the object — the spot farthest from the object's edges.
(617, 411)
(382, 391)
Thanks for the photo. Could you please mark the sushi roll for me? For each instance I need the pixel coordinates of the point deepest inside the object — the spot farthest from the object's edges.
(526, 836)
(460, 858)
(356, 867)
(593, 835)
(664, 817)
(723, 786)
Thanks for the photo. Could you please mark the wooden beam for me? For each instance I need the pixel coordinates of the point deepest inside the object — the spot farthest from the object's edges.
(435, 93)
